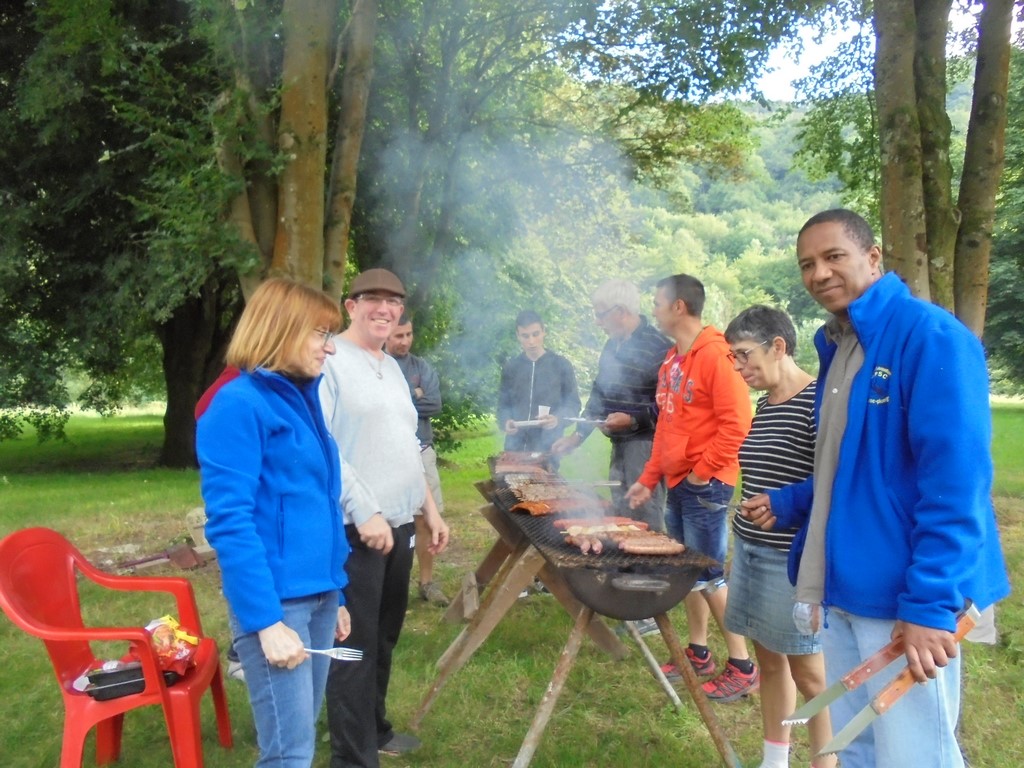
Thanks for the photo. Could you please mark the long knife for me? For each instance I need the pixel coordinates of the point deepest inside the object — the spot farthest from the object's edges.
(852, 680)
(857, 676)
(888, 696)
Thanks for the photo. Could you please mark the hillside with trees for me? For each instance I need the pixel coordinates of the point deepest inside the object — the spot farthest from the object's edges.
(160, 159)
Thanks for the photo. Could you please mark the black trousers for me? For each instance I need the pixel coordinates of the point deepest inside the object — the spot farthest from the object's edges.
(377, 597)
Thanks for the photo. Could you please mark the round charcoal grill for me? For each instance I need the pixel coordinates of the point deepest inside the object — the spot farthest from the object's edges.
(614, 583)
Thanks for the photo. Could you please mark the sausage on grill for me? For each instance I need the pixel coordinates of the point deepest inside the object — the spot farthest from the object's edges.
(652, 545)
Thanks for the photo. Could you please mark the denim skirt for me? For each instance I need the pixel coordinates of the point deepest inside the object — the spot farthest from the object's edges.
(760, 602)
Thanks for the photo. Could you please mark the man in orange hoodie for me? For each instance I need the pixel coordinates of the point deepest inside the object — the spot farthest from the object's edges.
(704, 415)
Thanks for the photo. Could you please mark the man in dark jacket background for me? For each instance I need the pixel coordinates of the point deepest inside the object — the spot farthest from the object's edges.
(538, 390)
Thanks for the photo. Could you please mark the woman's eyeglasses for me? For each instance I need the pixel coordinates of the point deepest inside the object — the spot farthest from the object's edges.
(741, 356)
(327, 336)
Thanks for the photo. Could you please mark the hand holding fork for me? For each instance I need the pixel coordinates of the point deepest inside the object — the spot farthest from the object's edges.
(338, 654)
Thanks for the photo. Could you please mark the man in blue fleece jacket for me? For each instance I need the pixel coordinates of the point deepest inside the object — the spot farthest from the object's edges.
(902, 532)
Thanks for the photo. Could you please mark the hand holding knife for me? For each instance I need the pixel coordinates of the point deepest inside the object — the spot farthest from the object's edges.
(860, 674)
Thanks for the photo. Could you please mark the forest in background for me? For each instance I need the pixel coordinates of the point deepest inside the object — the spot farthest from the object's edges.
(512, 155)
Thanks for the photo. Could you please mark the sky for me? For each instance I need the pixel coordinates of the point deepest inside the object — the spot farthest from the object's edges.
(786, 65)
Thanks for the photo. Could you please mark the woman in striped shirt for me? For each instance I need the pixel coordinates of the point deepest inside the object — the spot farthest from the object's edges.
(779, 450)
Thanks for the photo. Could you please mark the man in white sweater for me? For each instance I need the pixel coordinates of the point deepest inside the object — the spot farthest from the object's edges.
(367, 407)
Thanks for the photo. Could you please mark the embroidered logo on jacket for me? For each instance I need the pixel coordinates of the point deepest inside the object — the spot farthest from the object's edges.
(878, 388)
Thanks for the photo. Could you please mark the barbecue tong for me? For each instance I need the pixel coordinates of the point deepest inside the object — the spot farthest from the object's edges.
(860, 674)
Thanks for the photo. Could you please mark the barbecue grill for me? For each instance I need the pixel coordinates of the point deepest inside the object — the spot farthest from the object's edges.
(614, 583)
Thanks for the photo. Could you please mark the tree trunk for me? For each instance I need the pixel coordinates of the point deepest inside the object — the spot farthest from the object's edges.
(302, 139)
(193, 343)
(941, 217)
(904, 238)
(355, 91)
(983, 163)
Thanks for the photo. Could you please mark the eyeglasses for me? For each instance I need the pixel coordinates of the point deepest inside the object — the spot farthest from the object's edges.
(602, 315)
(377, 299)
(327, 336)
(741, 356)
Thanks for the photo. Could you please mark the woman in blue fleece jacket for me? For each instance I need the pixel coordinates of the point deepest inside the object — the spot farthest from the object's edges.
(271, 481)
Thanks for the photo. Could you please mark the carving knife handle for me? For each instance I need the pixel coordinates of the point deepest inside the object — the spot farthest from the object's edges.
(904, 681)
(873, 664)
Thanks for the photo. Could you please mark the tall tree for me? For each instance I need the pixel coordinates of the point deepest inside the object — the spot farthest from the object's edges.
(83, 291)
(939, 247)
(983, 163)
(1004, 336)
(119, 206)
(107, 158)
(301, 71)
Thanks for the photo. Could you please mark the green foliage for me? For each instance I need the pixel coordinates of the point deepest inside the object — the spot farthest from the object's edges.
(181, 203)
(1004, 336)
(115, 197)
(839, 133)
(683, 50)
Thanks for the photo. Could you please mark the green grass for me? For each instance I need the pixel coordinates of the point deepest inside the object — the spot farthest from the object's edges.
(102, 490)
(1008, 449)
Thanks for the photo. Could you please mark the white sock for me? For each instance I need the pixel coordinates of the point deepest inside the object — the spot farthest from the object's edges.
(776, 755)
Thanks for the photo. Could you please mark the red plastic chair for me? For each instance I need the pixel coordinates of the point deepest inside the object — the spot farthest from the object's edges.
(39, 569)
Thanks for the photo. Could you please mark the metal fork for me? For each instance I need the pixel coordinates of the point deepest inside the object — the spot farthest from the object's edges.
(718, 507)
(339, 654)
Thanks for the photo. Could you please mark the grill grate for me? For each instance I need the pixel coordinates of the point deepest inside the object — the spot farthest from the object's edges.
(549, 540)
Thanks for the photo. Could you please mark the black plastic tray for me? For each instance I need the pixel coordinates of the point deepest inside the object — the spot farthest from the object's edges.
(115, 683)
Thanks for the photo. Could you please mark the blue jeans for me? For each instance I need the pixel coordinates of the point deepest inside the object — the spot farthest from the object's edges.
(698, 527)
(920, 729)
(286, 702)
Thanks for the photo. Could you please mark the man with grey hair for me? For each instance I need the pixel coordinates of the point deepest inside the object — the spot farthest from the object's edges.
(621, 400)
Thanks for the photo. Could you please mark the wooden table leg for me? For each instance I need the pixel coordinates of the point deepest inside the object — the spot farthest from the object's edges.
(700, 700)
(509, 537)
(499, 552)
(518, 571)
(547, 704)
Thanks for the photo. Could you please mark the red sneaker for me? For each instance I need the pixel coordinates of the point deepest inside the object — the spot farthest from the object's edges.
(703, 667)
(732, 684)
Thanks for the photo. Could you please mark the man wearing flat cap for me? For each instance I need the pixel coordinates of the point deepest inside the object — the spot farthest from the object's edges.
(366, 403)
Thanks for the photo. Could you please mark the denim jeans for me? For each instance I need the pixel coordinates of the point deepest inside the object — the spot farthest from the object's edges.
(286, 702)
(920, 729)
(701, 526)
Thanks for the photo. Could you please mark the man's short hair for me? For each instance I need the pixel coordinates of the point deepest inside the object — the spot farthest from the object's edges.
(404, 319)
(855, 226)
(528, 317)
(687, 288)
(617, 293)
(761, 323)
